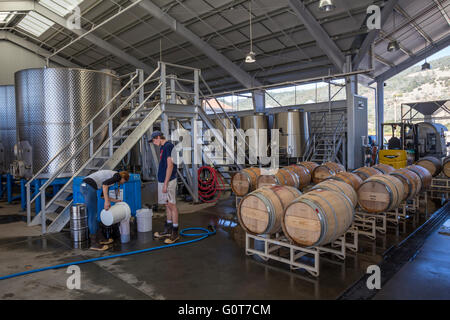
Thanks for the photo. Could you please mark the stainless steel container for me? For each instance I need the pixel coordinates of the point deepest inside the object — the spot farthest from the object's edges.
(53, 104)
(7, 125)
(223, 125)
(294, 132)
(258, 121)
(79, 231)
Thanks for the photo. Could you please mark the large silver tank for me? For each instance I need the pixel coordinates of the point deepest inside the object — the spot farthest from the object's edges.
(432, 139)
(257, 121)
(294, 131)
(223, 125)
(53, 104)
(7, 125)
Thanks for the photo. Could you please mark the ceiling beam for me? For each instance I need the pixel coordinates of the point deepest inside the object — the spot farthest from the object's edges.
(373, 34)
(442, 10)
(30, 5)
(318, 33)
(99, 42)
(8, 36)
(422, 55)
(240, 75)
(414, 24)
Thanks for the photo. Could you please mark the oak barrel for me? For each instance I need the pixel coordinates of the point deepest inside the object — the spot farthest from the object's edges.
(350, 178)
(411, 182)
(282, 177)
(381, 193)
(432, 164)
(341, 187)
(245, 181)
(384, 168)
(303, 174)
(366, 172)
(326, 170)
(424, 174)
(446, 167)
(317, 218)
(261, 211)
(308, 165)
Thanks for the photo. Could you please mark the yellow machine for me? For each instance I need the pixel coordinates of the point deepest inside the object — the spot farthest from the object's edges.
(396, 153)
(394, 158)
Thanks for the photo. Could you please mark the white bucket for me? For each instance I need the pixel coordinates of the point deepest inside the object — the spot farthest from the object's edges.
(124, 229)
(118, 212)
(144, 220)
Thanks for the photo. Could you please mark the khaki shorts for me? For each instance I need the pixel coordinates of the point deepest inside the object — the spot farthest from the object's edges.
(171, 195)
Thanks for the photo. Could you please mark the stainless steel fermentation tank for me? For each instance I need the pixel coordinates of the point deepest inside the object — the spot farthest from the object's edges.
(224, 124)
(293, 132)
(53, 104)
(7, 126)
(257, 121)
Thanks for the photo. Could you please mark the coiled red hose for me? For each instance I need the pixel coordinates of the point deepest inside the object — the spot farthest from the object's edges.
(210, 184)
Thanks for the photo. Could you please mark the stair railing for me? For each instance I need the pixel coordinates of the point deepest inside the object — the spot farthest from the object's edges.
(89, 142)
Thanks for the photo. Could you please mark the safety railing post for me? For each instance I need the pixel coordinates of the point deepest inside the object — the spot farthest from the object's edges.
(91, 144)
(43, 213)
(110, 134)
(28, 188)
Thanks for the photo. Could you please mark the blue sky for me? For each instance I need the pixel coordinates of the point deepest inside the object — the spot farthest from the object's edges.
(443, 53)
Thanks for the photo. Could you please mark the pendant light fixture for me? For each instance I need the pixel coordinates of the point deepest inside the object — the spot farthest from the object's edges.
(326, 5)
(393, 45)
(251, 56)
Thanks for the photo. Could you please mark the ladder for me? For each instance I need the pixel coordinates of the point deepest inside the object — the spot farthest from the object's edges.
(176, 102)
(327, 142)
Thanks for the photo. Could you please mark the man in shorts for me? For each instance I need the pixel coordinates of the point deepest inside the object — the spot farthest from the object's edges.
(167, 187)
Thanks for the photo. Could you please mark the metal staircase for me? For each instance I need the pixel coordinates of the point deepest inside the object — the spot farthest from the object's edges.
(327, 141)
(176, 103)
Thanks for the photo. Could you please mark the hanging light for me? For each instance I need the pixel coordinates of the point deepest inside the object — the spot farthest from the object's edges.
(327, 5)
(393, 46)
(426, 66)
(251, 56)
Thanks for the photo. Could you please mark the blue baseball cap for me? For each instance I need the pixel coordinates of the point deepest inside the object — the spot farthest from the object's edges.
(155, 134)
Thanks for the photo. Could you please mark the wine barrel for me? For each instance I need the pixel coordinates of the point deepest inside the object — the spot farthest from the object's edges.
(303, 174)
(411, 182)
(326, 170)
(308, 165)
(432, 164)
(366, 172)
(384, 168)
(245, 181)
(381, 193)
(424, 174)
(341, 187)
(261, 211)
(282, 178)
(350, 178)
(446, 167)
(317, 218)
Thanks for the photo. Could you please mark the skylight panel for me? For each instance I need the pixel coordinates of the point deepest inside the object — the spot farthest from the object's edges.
(5, 17)
(61, 7)
(35, 24)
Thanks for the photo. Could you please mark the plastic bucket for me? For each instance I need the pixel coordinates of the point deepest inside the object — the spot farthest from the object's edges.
(118, 212)
(144, 220)
(124, 229)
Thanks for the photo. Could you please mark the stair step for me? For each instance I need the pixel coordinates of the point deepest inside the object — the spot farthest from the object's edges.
(102, 157)
(62, 203)
(92, 168)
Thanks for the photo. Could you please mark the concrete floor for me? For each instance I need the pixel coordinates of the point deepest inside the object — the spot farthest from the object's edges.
(215, 268)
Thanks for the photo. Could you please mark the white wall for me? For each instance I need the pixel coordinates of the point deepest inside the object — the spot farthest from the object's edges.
(14, 58)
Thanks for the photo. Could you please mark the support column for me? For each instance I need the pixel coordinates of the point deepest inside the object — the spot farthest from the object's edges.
(379, 113)
(259, 100)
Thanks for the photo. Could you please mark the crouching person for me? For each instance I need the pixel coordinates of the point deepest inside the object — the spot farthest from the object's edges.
(102, 179)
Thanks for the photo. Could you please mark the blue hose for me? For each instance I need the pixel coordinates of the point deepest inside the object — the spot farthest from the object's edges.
(203, 235)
